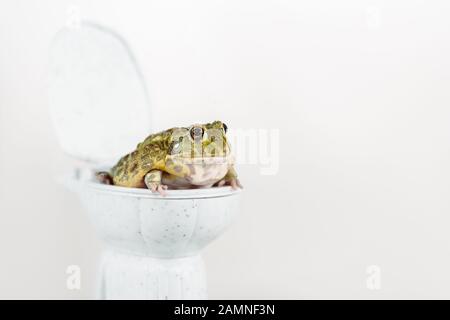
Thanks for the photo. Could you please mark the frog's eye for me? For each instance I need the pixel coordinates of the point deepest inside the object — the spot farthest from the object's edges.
(176, 146)
(196, 132)
(225, 128)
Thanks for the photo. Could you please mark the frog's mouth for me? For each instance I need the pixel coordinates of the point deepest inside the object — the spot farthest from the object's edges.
(206, 161)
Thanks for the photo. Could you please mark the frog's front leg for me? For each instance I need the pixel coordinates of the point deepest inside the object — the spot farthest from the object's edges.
(153, 181)
(230, 179)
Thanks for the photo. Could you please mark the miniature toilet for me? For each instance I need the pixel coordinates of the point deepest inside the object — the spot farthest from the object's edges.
(153, 243)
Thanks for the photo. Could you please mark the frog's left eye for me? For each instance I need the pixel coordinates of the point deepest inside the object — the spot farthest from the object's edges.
(196, 132)
(225, 127)
(176, 146)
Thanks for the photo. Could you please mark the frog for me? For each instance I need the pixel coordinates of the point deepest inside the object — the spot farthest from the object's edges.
(196, 156)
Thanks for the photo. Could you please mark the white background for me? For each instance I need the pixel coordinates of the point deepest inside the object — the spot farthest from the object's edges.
(358, 89)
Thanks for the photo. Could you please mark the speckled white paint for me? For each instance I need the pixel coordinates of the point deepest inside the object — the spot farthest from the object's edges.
(155, 242)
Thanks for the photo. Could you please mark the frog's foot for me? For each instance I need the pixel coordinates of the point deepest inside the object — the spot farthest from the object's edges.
(104, 177)
(153, 182)
(160, 188)
(233, 182)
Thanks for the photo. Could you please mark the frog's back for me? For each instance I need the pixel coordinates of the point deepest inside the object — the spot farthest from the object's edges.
(131, 169)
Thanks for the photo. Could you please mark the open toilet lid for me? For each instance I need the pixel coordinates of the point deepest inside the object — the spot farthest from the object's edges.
(98, 100)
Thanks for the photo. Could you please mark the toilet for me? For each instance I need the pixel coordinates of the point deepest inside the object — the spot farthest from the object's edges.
(153, 244)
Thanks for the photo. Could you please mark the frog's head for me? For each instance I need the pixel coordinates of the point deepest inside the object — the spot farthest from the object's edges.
(199, 142)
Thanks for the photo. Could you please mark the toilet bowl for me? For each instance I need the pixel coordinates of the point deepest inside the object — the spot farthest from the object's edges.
(153, 243)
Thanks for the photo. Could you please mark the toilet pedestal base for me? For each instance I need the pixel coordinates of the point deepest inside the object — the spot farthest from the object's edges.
(127, 276)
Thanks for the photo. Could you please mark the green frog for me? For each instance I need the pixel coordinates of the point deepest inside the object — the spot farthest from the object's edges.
(197, 156)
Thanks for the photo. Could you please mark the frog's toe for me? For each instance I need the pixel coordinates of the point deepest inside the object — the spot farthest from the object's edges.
(157, 188)
(235, 184)
(104, 177)
(221, 183)
(162, 189)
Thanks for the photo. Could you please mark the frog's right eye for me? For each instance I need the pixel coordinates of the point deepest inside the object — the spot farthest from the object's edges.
(196, 132)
